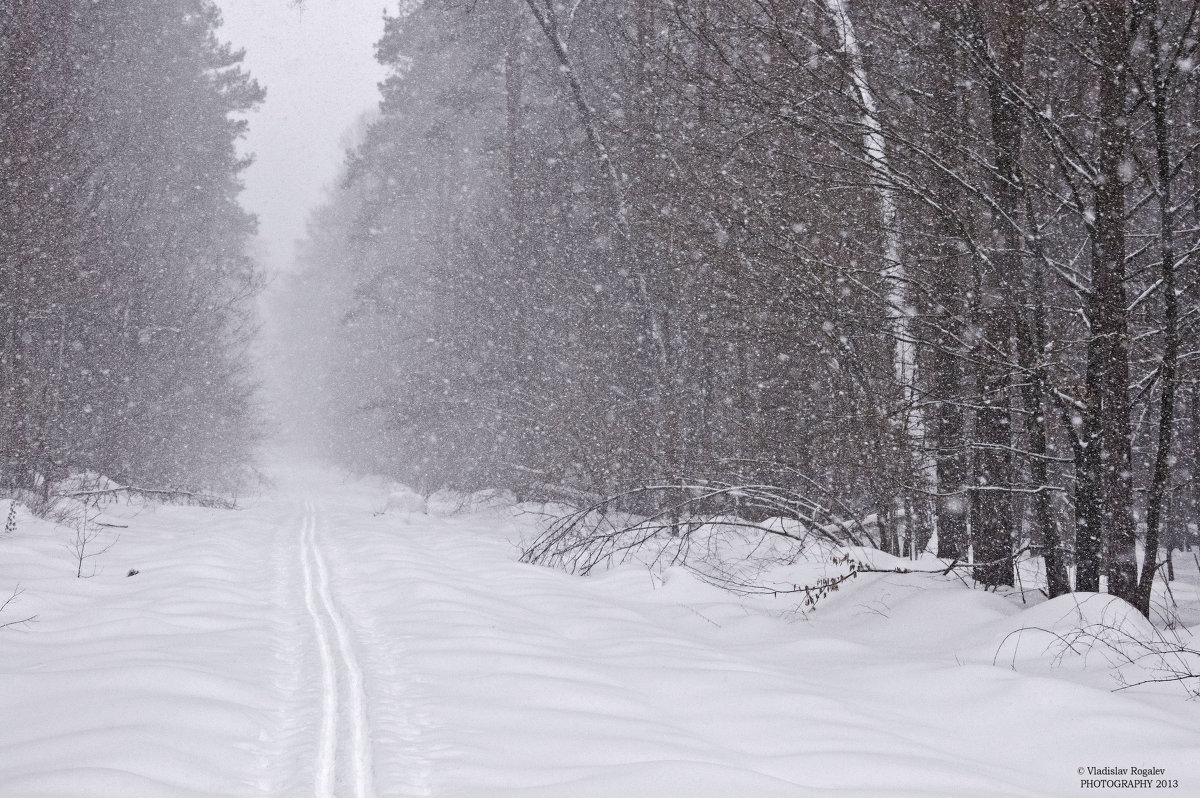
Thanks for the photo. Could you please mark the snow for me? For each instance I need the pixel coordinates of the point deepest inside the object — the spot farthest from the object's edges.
(309, 645)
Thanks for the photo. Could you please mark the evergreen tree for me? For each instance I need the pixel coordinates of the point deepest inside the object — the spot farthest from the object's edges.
(126, 286)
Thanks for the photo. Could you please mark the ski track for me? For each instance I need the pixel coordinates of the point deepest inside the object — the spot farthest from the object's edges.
(348, 654)
(339, 671)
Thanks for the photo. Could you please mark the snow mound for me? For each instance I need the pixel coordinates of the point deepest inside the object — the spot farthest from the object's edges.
(481, 677)
(1096, 632)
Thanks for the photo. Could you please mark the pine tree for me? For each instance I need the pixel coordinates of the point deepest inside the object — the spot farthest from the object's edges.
(127, 288)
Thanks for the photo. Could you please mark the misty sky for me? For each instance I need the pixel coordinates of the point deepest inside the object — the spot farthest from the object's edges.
(320, 72)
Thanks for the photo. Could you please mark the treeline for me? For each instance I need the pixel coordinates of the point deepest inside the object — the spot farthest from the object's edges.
(926, 261)
(125, 287)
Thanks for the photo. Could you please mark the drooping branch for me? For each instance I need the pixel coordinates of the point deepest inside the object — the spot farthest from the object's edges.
(556, 33)
(165, 495)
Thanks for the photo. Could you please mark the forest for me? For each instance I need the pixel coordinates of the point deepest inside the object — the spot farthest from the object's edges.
(599, 398)
(126, 284)
(917, 274)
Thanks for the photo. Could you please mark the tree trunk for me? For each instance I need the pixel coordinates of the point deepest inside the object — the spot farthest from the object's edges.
(992, 509)
(1108, 269)
(945, 372)
(1168, 370)
(1031, 345)
(910, 419)
(1089, 514)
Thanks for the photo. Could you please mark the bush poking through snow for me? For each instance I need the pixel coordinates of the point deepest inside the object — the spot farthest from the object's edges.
(85, 547)
(1105, 627)
(747, 539)
(10, 527)
(681, 524)
(830, 584)
(7, 603)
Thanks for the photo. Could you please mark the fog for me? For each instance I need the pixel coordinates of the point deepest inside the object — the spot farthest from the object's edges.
(853, 344)
(318, 66)
(870, 255)
(317, 63)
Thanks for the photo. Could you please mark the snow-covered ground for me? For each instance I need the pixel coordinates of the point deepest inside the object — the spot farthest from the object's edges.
(306, 645)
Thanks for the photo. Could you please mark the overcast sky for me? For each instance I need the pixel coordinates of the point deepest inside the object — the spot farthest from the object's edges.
(318, 65)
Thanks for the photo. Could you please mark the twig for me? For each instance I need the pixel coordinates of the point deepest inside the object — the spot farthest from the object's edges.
(17, 591)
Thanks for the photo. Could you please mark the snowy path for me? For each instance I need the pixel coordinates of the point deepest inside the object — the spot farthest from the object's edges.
(339, 670)
(307, 646)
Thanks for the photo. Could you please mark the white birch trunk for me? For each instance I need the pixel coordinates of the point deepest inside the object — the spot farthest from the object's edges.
(904, 355)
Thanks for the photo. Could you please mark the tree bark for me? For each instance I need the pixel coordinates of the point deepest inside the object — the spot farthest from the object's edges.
(1108, 268)
(1162, 80)
(1002, 44)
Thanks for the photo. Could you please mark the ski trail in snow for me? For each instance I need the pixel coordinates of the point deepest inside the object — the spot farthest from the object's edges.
(360, 738)
(324, 770)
